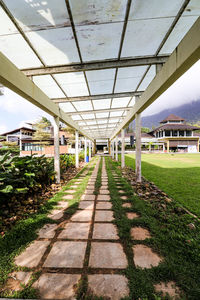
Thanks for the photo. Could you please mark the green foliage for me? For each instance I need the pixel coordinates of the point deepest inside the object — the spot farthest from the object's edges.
(66, 161)
(20, 176)
(40, 133)
(13, 150)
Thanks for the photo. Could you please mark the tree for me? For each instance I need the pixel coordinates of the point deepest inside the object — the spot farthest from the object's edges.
(71, 134)
(145, 130)
(41, 134)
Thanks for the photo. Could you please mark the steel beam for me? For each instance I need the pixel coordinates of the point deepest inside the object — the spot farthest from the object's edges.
(184, 56)
(97, 97)
(98, 65)
(14, 79)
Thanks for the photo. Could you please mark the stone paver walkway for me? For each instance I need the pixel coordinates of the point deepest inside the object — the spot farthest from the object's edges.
(87, 245)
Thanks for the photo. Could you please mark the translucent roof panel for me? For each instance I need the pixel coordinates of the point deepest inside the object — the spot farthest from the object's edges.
(114, 120)
(192, 9)
(101, 121)
(7, 26)
(120, 102)
(101, 104)
(76, 118)
(98, 11)
(99, 41)
(179, 31)
(116, 113)
(129, 78)
(48, 86)
(101, 81)
(83, 105)
(88, 116)
(73, 83)
(132, 102)
(148, 78)
(15, 48)
(102, 115)
(67, 107)
(144, 37)
(91, 122)
(142, 9)
(37, 15)
(55, 46)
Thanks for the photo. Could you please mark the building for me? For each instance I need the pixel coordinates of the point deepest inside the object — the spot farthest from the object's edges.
(23, 136)
(177, 135)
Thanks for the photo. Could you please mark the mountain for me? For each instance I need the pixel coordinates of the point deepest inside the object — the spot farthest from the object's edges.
(190, 112)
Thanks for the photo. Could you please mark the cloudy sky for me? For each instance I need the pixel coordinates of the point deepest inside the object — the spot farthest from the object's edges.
(15, 111)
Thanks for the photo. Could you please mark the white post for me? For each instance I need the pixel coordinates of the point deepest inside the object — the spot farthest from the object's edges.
(123, 149)
(56, 149)
(113, 149)
(138, 145)
(89, 150)
(76, 149)
(20, 142)
(85, 146)
(116, 148)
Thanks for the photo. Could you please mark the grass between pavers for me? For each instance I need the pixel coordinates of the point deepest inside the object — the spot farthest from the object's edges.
(24, 232)
(176, 174)
(171, 239)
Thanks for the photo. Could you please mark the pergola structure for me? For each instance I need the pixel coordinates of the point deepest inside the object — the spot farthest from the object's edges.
(96, 65)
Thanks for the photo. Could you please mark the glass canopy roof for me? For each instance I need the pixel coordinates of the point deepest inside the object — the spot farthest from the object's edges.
(112, 47)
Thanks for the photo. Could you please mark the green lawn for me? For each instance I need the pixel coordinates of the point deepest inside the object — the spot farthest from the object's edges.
(176, 174)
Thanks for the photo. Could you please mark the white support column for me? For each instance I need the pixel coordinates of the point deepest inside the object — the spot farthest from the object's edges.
(113, 149)
(138, 145)
(116, 148)
(56, 149)
(123, 149)
(89, 150)
(85, 147)
(20, 141)
(76, 149)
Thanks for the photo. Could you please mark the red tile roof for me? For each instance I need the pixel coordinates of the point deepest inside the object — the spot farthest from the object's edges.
(172, 117)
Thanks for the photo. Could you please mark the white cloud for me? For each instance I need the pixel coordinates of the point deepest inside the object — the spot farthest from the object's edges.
(185, 90)
(3, 128)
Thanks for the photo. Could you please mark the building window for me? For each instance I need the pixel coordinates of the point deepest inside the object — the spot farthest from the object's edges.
(188, 133)
(167, 133)
(181, 132)
(174, 133)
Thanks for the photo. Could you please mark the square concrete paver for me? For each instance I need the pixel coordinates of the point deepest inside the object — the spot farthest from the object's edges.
(86, 205)
(82, 216)
(103, 205)
(68, 197)
(170, 288)
(139, 233)
(103, 197)
(55, 214)
(75, 186)
(126, 205)
(91, 187)
(16, 279)
(107, 255)
(104, 183)
(112, 286)
(88, 197)
(63, 204)
(57, 286)
(32, 255)
(104, 192)
(105, 232)
(89, 192)
(66, 255)
(144, 257)
(70, 191)
(132, 215)
(47, 231)
(75, 231)
(104, 216)
(124, 197)
(122, 191)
